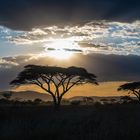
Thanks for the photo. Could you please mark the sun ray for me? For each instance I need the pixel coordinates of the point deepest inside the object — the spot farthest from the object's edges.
(61, 48)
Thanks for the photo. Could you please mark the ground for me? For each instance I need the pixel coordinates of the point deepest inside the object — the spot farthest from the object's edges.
(98, 122)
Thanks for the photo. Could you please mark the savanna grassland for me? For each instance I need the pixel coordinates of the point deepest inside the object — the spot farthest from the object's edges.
(71, 122)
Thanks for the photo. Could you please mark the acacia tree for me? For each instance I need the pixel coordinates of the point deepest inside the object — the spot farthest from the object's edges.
(132, 88)
(56, 81)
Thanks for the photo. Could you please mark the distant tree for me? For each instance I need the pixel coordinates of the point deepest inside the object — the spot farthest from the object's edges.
(132, 88)
(126, 99)
(112, 100)
(37, 101)
(28, 102)
(88, 100)
(56, 81)
(7, 95)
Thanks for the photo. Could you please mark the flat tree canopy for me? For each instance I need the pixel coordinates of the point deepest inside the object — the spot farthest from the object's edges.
(132, 88)
(56, 81)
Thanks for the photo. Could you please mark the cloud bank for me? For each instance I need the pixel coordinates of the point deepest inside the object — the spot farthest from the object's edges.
(26, 14)
(111, 50)
(106, 67)
(92, 37)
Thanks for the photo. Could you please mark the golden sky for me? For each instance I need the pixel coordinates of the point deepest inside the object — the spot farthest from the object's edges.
(103, 89)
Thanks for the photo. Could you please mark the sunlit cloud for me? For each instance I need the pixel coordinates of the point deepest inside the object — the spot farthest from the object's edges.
(92, 37)
(7, 64)
(8, 34)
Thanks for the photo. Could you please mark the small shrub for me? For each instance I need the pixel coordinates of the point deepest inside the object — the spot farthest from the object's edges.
(97, 104)
(76, 102)
(65, 102)
(37, 101)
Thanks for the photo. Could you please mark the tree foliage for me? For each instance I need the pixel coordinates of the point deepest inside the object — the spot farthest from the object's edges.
(56, 81)
(132, 88)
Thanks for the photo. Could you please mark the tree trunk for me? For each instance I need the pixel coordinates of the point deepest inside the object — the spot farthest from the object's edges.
(139, 99)
(56, 102)
(59, 101)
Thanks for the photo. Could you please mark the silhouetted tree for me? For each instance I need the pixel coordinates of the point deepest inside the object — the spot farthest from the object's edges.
(126, 99)
(112, 100)
(56, 81)
(37, 101)
(132, 88)
(88, 100)
(7, 95)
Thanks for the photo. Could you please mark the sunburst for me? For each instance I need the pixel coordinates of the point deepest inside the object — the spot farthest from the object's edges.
(60, 48)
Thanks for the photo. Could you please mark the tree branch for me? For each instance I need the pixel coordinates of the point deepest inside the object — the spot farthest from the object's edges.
(62, 94)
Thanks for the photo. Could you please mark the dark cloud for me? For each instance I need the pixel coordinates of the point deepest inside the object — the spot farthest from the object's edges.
(106, 67)
(25, 14)
(67, 50)
(115, 67)
(73, 50)
(90, 45)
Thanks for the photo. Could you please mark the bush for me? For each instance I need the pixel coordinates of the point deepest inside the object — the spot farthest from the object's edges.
(97, 104)
(75, 102)
(37, 101)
